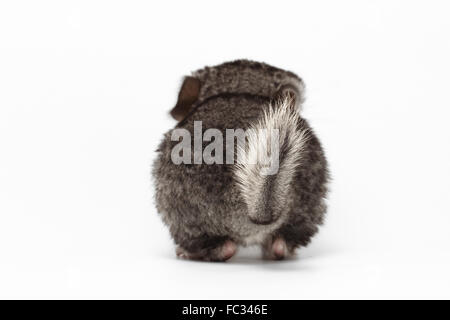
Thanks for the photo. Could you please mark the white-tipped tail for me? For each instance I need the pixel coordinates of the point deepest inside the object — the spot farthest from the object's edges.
(268, 161)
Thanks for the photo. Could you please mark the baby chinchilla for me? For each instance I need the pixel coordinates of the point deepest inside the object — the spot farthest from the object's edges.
(213, 202)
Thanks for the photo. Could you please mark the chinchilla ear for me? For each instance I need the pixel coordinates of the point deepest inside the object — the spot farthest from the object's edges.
(292, 93)
(189, 92)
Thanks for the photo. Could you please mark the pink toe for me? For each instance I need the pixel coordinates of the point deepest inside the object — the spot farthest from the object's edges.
(279, 248)
(228, 249)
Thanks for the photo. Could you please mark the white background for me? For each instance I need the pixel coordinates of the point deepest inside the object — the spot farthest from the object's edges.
(85, 87)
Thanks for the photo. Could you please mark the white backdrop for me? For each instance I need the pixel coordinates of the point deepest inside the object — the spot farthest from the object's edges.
(85, 87)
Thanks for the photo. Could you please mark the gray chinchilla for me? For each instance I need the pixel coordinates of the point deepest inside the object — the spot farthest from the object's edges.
(212, 208)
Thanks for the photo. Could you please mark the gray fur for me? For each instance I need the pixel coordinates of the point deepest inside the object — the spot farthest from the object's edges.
(203, 205)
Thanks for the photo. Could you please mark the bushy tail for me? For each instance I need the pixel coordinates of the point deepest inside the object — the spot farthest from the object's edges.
(268, 161)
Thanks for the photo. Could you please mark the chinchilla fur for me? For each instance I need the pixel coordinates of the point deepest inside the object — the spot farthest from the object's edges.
(211, 209)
